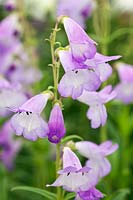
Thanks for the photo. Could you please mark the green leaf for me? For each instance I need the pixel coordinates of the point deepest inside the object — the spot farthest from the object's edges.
(70, 137)
(45, 193)
(69, 196)
(119, 195)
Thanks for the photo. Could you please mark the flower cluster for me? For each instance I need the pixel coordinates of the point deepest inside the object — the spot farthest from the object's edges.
(82, 180)
(85, 70)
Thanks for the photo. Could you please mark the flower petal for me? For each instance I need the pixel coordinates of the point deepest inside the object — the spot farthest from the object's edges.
(83, 47)
(70, 159)
(68, 61)
(31, 126)
(74, 82)
(35, 104)
(103, 70)
(98, 115)
(108, 148)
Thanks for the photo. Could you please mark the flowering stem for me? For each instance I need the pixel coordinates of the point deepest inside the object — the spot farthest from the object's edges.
(55, 66)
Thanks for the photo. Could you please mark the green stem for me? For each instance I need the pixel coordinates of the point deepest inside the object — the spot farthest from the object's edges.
(55, 66)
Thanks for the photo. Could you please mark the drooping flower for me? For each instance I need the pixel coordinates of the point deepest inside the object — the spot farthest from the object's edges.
(56, 125)
(74, 177)
(27, 120)
(96, 100)
(9, 146)
(91, 194)
(82, 9)
(82, 46)
(125, 88)
(97, 155)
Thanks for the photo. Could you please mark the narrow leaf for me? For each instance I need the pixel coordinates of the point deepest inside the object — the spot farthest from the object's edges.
(45, 193)
(69, 196)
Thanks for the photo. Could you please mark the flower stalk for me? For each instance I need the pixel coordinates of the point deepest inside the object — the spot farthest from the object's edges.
(55, 67)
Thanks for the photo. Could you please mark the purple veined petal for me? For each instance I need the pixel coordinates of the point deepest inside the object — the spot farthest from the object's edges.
(75, 33)
(124, 92)
(103, 70)
(68, 62)
(107, 94)
(83, 47)
(56, 125)
(30, 125)
(87, 149)
(98, 115)
(83, 51)
(91, 194)
(74, 82)
(108, 148)
(125, 72)
(70, 159)
(35, 104)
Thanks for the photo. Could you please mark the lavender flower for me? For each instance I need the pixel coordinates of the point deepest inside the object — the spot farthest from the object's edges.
(85, 69)
(96, 100)
(27, 120)
(9, 146)
(97, 155)
(82, 46)
(56, 125)
(74, 177)
(91, 194)
(82, 9)
(125, 88)
(76, 78)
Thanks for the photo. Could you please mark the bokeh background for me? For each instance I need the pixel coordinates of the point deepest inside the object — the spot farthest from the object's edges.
(110, 23)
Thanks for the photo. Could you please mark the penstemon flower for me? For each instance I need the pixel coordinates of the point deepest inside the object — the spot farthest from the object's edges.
(76, 78)
(27, 120)
(74, 177)
(82, 46)
(125, 88)
(97, 155)
(96, 100)
(85, 69)
(56, 125)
